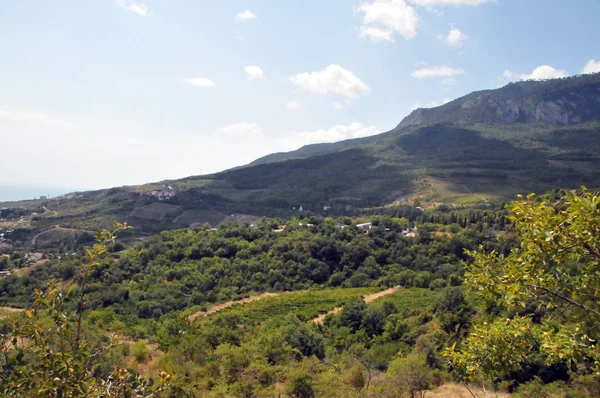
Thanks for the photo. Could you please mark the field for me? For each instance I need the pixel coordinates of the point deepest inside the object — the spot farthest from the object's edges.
(312, 304)
(410, 299)
(307, 304)
(58, 234)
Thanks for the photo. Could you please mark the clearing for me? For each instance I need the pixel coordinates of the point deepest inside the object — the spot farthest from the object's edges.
(453, 390)
(6, 311)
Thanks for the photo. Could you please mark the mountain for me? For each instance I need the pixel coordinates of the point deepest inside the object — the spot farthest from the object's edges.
(484, 147)
(566, 101)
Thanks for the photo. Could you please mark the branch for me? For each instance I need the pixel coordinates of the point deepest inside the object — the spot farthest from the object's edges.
(100, 351)
(467, 386)
(565, 298)
(591, 250)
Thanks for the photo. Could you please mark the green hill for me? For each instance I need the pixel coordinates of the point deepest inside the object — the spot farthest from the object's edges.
(484, 147)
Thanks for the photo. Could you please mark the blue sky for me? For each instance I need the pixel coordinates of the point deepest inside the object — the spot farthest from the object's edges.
(110, 92)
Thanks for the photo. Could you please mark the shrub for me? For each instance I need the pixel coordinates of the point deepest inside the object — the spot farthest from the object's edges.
(140, 351)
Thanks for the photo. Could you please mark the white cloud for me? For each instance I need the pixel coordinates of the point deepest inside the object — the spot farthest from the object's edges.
(242, 130)
(507, 74)
(448, 81)
(254, 72)
(332, 79)
(376, 34)
(337, 106)
(74, 147)
(431, 3)
(293, 105)
(455, 37)
(334, 134)
(245, 16)
(592, 66)
(384, 17)
(138, 7)
(16, 114)
(437, 72)
(199, 82)
(542, 72)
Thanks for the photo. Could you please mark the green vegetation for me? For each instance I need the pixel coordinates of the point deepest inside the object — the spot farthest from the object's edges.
(305, 305)
(548, 290)
(503, 334)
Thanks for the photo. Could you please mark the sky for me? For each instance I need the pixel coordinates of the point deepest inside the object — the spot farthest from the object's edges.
(102, 93)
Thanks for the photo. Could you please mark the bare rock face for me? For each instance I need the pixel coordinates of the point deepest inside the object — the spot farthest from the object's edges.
(557, 112)
(559, 101)
(508, 111)
(414, 119)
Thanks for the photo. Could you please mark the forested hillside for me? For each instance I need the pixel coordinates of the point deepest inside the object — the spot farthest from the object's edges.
(162, 306)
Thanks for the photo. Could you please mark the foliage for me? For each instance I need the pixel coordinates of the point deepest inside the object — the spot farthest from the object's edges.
(47, 353)
(140, 351)
(557, 266)
(493, 350)
(546, 292)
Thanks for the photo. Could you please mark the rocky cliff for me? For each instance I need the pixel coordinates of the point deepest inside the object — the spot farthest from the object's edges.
(559, 101)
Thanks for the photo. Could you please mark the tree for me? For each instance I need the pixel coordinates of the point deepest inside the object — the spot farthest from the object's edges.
(412, 374)
(59, 358)
(353, 314)
(557, 262)
(300, 386)
(556, 267)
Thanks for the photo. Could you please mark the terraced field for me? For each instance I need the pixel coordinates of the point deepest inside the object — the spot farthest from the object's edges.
(308, 304)
(410, 299)
(317, 304)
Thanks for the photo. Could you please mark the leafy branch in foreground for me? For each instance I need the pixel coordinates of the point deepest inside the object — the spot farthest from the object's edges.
(48, 354)
(557, 268)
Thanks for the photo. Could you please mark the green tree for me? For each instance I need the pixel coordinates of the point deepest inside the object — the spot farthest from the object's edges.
(60, 359)
(353, 314)
(140, 351)
(556, 267)
(300, 385)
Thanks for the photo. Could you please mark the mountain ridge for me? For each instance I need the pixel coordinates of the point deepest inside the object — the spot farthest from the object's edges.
(463, 156)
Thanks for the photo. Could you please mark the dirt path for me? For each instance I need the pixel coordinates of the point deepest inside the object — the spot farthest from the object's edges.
(453, 390)
(5, 311)
(219, 307)
(368, 298)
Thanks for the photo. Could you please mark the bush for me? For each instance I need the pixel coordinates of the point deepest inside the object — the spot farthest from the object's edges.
(356, 376)
(300, 386)
(537, 389)
(140, 351)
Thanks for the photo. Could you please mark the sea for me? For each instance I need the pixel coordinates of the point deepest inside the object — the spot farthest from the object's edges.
(11, 193)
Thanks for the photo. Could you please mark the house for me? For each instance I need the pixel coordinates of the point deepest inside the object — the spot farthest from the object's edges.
(4, 274)
(325, 208)
(281, 228)
(410, 233)
(365, 225)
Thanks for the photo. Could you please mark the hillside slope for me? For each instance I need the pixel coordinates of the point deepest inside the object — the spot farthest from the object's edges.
(487, 146)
